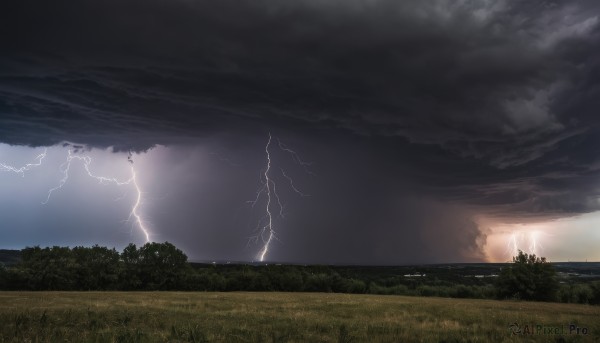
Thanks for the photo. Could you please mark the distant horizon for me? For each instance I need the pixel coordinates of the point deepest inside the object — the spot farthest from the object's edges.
(225, 262)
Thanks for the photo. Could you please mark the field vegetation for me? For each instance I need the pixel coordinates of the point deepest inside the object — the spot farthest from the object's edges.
(280, 317)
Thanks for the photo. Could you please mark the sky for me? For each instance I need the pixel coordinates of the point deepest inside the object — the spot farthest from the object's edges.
(340, 131)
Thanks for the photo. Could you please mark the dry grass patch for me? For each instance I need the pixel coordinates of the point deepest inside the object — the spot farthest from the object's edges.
(277, 317)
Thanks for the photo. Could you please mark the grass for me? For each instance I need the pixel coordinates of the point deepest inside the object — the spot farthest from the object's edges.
(278, 317)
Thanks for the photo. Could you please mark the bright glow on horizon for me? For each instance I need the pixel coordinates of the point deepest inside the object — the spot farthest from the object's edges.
(526, 241)
(560, 240)
(505, 240)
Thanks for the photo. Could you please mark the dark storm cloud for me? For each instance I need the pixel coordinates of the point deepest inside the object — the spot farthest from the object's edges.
(357, 210)
(487, 104)
(471, 76)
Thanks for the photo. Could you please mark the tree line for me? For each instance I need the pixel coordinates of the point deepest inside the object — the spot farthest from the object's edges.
(162, 267)
(154, 266)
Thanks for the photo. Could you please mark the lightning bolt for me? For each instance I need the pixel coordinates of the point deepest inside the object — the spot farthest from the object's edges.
(21, 171)
(534, 244)
(268, 228)
(296, 158)
(136, 206)
(292, 184)
(274, 208)
(87, 160)
(518, 239)
(512, 245)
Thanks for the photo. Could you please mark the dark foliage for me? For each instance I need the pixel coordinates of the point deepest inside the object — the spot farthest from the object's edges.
(155, 266)
(9, 257)
(161, 266)
(528, 278)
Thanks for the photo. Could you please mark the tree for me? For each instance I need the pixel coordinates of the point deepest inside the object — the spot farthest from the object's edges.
(49, 268)
(130, 274)
(98, 268)
(3, 276)
(528, 278)
(161, 266)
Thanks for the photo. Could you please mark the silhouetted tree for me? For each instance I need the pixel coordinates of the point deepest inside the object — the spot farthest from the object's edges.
(3, 276)
(161, 266)
(528, 278)
(97, 268)
(129, 278)
(49, 268)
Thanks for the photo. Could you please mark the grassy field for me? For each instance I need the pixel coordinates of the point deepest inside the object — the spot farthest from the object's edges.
(279, 317)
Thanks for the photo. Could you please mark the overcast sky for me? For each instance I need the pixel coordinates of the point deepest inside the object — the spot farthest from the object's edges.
(436, 131)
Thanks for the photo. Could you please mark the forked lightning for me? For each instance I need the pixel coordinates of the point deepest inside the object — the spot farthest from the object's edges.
(86, 160)
(519, 240)
(266, 225)
(21, 171)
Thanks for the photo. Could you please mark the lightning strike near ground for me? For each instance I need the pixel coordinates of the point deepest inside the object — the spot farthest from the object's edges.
(134, 211)
(533, 242)
(274, 208)
(269, 227)
(87, 160)
(21, 170)
(512, 247)
(528, 242)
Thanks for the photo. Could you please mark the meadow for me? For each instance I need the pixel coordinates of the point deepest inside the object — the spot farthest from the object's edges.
(282, 317)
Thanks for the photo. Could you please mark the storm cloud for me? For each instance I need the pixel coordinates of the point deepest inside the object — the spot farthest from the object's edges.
(459, 108)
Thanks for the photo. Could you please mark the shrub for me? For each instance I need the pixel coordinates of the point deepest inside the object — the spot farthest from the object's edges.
(528, 278)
